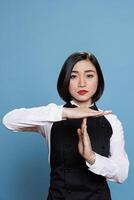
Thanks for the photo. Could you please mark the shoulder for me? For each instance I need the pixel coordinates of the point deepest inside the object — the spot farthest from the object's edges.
(113, 119)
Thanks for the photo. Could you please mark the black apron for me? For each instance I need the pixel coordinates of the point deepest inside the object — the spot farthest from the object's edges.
(70, 178)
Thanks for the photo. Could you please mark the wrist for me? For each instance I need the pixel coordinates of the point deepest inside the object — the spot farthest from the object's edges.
(91, 159)
(65, 113)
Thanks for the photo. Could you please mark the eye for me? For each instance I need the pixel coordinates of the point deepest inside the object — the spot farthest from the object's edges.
(89, 75)
(73, 76)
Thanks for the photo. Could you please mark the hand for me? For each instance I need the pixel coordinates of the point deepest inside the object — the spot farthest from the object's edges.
(80, 112)
(84, 144)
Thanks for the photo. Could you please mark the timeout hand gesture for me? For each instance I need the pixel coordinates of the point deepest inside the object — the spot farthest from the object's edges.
(84, 144)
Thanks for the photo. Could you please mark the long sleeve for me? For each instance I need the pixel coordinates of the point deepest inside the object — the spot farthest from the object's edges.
(116, 166)
(24, 119)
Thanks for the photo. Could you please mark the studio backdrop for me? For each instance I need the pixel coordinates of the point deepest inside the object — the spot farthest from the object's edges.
(36, 36)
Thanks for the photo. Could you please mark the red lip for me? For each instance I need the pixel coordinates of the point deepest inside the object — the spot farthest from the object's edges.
(82, 92)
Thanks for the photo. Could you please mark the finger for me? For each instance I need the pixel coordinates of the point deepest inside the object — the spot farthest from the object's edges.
(80, 135)
(96, 113)
(100, 111)
(107, 112)
(84, 125)
(84, 121)
(79, 131)
(103, 113)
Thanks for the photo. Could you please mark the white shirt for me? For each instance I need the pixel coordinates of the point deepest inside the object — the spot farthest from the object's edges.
(41, 119)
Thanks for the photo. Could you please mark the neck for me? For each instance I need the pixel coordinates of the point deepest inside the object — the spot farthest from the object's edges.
(81, 104)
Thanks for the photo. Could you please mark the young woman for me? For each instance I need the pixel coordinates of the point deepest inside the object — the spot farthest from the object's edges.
(86, 144)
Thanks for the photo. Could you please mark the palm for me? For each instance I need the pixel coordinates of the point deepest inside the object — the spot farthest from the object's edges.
(84, 144)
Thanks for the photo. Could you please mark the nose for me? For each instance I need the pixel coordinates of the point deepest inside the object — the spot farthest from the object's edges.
(82, 82)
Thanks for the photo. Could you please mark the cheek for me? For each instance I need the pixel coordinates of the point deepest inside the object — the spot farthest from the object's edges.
(94, 85)
(72, 86)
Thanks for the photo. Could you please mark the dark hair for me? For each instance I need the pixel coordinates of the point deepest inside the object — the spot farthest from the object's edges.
(65, 73)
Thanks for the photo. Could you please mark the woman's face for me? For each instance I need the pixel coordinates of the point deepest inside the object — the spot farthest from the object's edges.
(83, 82)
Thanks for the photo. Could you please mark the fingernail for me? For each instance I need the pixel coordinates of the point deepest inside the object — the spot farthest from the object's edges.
(108, 111)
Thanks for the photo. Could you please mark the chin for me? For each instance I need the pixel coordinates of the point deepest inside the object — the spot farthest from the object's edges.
(82, 100)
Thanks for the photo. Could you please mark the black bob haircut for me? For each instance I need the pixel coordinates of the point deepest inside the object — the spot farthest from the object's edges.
(65, 73)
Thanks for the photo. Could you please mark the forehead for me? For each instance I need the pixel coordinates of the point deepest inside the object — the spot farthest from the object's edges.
(84, 65)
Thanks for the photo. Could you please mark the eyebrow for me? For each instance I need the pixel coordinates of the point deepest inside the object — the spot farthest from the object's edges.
(75, 71)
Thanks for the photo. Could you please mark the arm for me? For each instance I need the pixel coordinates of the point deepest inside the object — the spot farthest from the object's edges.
(29, 119)
(114, 168)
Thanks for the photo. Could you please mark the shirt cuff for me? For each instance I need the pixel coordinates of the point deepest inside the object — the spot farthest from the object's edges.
(99, 165)
(92, 165)
(103, 166)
